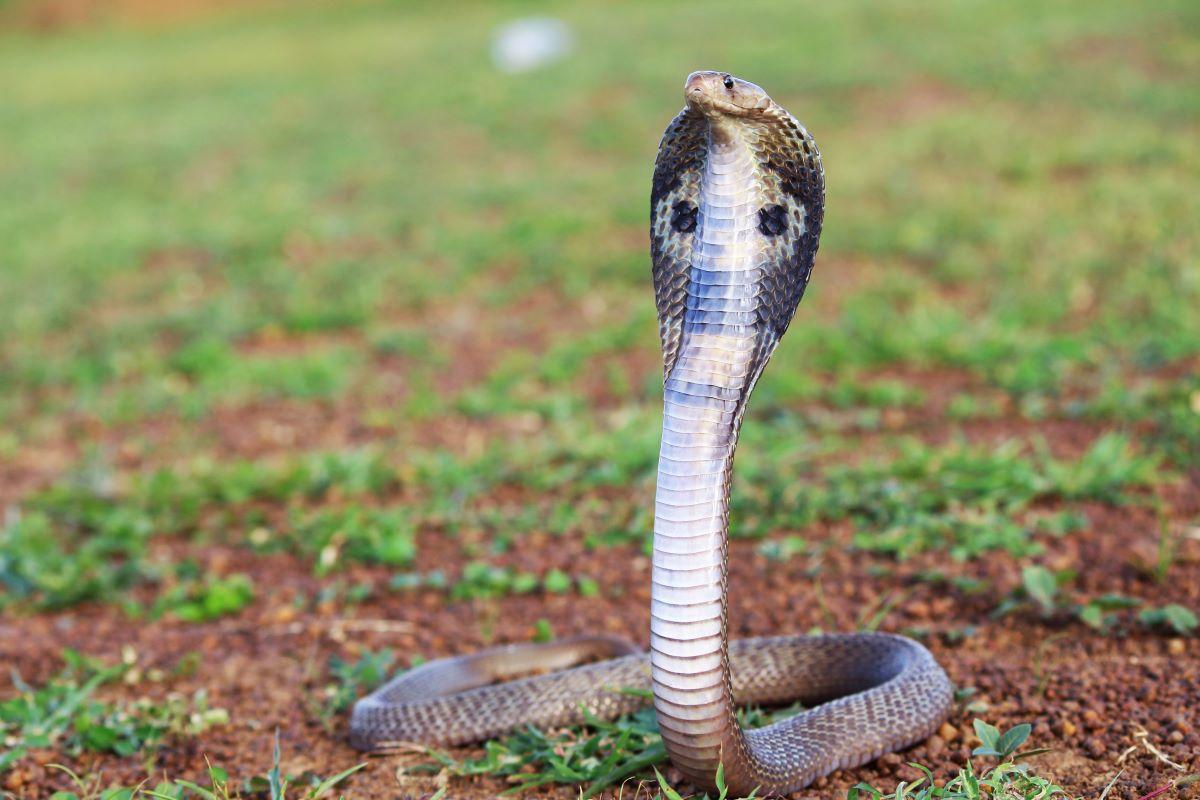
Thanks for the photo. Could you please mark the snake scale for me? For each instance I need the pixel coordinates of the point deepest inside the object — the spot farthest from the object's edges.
(737, 204)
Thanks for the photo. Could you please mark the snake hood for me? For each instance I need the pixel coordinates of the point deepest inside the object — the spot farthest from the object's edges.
(731, 130)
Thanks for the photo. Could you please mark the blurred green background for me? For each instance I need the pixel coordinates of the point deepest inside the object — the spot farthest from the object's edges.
(269, 204)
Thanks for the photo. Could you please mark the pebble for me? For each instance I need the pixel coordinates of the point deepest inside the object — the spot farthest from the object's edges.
(937, 745)
(15, 780)
(1176, 647)
(1069, 728)
(1176, 737)
(1091, 719)
(919, 609)
(942, 606)
(948, 732)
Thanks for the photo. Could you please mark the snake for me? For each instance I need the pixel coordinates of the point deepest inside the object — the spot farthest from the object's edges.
(736, 209)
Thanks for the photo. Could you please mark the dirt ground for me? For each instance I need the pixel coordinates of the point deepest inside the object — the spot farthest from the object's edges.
(1123, 702)
(1123, 705)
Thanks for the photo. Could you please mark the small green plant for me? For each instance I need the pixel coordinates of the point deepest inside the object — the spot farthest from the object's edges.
(597, 755)
(273, 785)
(408, 581)
(543, 631)
(64, 714)
(481, 580)
(82, 540)
(1174, 616)
(970, 501)
(722, 790)
(1109, 466)
(1102, 613)
(73, 546)
(1042, 587)
(782, 549)
(1000, 745)
(375, 536)
(353, 678)
(200, 600)
(91, 787)
(1099, 612)
(1168, 545)
(1003, 780)
(557, 582)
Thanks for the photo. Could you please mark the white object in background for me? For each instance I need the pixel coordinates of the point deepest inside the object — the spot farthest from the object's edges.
(530, 42)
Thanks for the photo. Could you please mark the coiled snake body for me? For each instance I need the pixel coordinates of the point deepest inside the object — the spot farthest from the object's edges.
(736, 210)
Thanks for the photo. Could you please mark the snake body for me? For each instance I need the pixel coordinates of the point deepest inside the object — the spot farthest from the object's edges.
(737, 205)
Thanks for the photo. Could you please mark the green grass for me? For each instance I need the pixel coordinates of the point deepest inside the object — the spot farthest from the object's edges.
(197, 598)
(63, 714)
(1050, 594)
(601, 755)
(999, 226)
(218, 786)
(350, 680)
(81, 542)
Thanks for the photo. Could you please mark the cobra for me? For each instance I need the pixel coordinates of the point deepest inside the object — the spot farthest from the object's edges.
(736, 209)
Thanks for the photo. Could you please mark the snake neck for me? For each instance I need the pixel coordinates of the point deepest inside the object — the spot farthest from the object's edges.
(720, 357)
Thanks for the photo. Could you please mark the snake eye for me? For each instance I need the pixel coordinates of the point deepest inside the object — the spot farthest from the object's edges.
(728, 81)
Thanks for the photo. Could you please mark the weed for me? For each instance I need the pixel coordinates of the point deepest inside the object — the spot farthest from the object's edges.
(199, 600)
(718, 779)
(782, 549)
(351, 679)
(482, 580)
(1101, 613)
(1108, 467)
(1098, 612)
(271, 786)
(1000, 745)
(543, 631)
(597, 755)
(378, 536)
(64, 715)
(1006, 779)
(1041, 586)
(1174, 616)
(1168, 546)
(594, 756)
(406, 581)
(57, 562)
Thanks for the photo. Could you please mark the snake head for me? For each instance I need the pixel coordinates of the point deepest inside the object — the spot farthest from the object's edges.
(716, 94)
